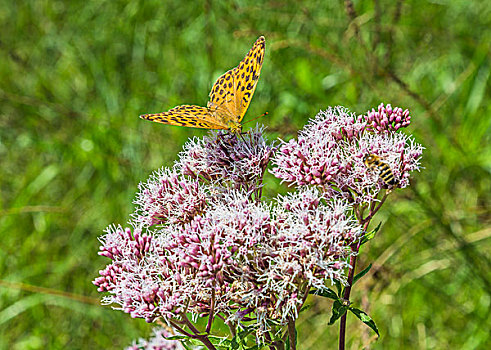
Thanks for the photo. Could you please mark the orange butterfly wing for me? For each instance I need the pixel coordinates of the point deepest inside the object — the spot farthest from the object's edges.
(233, 91)
(246, 76)
(186, 115)
(230, 97)
(222, 98)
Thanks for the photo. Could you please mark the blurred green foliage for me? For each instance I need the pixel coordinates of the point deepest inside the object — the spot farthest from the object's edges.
(75, 75)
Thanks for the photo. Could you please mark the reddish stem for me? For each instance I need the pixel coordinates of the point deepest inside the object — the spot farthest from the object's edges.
(197, 335)
(291, 333)
(347, 291)
(212, 311)
(351, 272)
(374, 211)
(181, 330)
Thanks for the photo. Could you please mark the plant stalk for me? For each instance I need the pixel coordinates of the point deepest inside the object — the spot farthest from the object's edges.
(351, 272)
(291, 333)
(347, 291)
(197, 335)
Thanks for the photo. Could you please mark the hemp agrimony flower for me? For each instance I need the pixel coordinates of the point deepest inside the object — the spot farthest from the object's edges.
(168, 197)
(330, 150)
(206, 248)
(240, 258)
(386, 118)
(227, 159)
(158, 341)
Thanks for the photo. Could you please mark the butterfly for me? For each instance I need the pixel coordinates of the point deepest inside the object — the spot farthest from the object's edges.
(230, 97)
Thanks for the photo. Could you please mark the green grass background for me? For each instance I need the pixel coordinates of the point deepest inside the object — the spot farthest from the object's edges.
(74, 76)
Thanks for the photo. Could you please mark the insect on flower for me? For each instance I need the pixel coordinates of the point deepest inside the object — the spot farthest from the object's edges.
(230, 97)
(373, 161)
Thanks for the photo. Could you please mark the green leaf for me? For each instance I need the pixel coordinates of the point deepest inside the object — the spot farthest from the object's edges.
(242, 334)
(193, 341)
(361, 274)
(186, 346)
(369, 235)
(338, 310)
(326, 293)
(234, 344)
(339, 287)
(239, 340)
(177, 337)
(362, 315)
(222, 346)
(305, 307)
(220, 342)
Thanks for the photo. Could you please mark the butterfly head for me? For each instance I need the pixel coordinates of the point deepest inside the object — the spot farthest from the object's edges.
(234, 127)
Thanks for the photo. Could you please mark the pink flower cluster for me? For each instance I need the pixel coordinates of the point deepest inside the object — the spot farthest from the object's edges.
(240, 258)
(386, 118)
(127, 277)
(314, 158)
(158, 341)
(329, 153)
(203, 243)
(168, 197)
(237, 161)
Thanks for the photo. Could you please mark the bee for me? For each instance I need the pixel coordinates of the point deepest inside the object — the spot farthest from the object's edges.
(373, 161)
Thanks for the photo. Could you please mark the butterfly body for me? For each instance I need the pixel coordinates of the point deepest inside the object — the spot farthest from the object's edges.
(230, 97)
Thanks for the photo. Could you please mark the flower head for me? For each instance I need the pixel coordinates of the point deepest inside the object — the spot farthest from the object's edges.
(204, 244)
(237, 161)
(129, 278)
(315, 158)
(259, 259)
(329, 153)
(397, 154)
(158, 341)
(168, 197)
(386, 118)
(241, 257)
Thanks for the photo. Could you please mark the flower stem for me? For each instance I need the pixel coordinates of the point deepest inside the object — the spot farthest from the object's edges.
(207, 342)
(351, 273)
(347, 291)
(373, 211)
(181, 330)
(197, 335)
(212, 311)
(231, 327)
(291, 333)
(273, 345)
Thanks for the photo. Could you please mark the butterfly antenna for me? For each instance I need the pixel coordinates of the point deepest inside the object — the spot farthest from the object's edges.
(262, 115)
